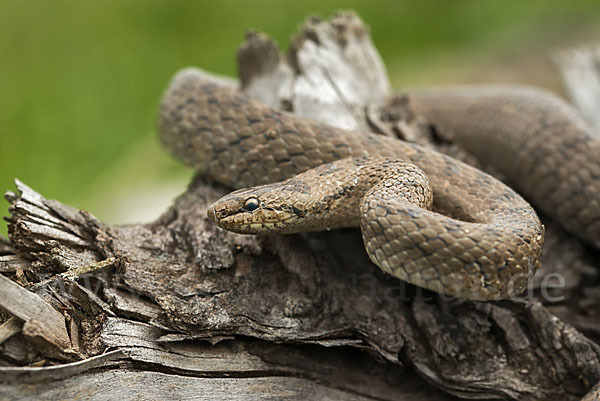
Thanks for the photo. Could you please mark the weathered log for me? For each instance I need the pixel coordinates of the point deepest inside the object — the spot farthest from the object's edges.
(579, 69)
(179, 308)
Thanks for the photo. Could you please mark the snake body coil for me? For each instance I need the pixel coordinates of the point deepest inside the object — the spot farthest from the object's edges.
(480, 241)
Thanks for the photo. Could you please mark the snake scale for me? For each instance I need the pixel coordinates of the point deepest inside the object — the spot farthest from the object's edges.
(480, 240)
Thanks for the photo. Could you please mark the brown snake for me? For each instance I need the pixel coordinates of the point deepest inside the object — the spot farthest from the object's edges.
(480, 241)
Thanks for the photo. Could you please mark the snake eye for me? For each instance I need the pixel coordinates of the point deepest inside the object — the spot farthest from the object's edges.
(251, 204)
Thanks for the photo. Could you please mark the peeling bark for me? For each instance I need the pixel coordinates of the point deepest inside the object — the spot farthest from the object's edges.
(580, 72)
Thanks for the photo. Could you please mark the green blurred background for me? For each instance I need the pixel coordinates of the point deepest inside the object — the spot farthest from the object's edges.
(80, 80)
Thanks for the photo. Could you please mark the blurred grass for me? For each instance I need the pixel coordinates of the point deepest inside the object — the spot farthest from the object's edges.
(80, 81)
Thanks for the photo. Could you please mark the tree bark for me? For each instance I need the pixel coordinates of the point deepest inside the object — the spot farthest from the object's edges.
(179, 308)
(579, 69)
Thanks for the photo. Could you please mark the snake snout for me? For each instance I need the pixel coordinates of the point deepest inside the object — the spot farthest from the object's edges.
(212, 215)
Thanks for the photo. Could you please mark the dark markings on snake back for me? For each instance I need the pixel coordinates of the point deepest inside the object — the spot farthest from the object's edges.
(298, 212)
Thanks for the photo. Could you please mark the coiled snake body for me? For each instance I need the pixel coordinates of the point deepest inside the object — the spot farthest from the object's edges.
(481, 240)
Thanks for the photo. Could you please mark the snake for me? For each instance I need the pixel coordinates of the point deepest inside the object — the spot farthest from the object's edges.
(425, 217)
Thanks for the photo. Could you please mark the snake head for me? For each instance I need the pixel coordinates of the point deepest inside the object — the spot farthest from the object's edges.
(254, 211)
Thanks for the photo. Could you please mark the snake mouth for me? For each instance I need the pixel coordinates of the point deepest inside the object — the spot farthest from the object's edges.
(259, 221)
